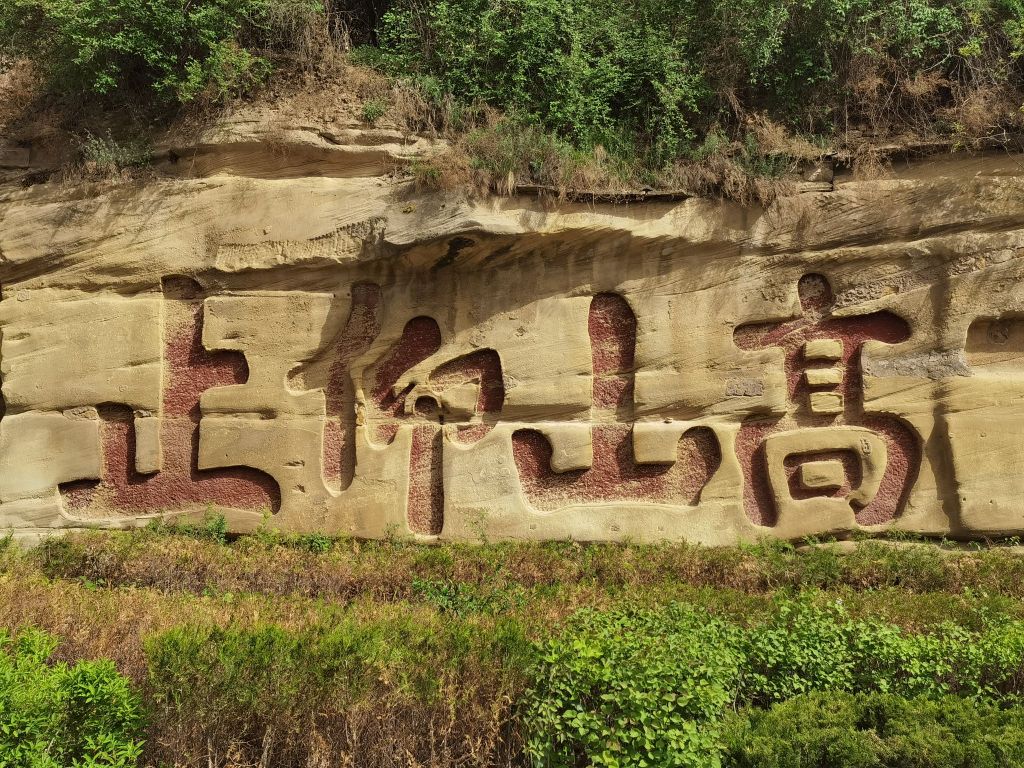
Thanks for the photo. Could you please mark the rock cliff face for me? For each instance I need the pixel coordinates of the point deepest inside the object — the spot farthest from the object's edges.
(285, 333)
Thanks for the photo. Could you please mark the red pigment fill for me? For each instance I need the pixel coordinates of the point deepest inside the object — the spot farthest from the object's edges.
(817, 323)
(615, 475)
(420, 339)
(612, 328)
(482, 367)
(426, 480)
(362, 327)
(190, 371)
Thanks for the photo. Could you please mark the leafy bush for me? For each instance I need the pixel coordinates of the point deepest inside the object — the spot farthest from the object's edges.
(105, 155)
(265, 686)
(653, 77)
(875, 731)
(599, 72)
(54, 716)
(625, 688)
(808, 648)
(650, 687)
(176, 50)
(374, 110)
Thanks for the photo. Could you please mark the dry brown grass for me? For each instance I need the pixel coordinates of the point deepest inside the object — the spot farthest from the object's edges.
(720, 176)
(985, 111)
(353, 570)
(774, 138)
(869, 163)
(19, 87)
(415, 613)
(496, 157)
(467, 722)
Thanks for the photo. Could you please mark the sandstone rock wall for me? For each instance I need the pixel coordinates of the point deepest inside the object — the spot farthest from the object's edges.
(340, 353)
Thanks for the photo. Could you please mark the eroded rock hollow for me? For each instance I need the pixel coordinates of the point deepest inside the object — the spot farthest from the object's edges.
(311, 345)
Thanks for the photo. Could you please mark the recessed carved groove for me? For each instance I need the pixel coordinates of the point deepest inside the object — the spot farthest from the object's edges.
(821, 412)
(177, 483)
(614, 474)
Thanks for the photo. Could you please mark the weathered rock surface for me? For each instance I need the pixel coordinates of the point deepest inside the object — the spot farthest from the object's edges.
(286, 333)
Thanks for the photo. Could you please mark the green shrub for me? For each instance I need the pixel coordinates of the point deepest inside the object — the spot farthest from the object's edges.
(105, 155)
(875, 731)
(241, 684)
(633, 688)
(599, 72)
(650, 687)
(55, 715)
(374, 110)
(175, 50)
(651, 78)
(805, 647)
(212, 527)
(513, 149)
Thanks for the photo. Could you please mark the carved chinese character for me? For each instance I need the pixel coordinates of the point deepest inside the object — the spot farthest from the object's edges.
(598, 461)
(826, 463)
(444, 395)
(150, 461)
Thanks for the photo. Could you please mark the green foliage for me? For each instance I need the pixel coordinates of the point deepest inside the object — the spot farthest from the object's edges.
(463, 599)
(242, 681)
(374, 110)
(317, 543)
(600, 72)
(106, 155)
(805, 647)
(515, 149)
(875, 731)
(633, 688)
(650, 687)
(56, 716)
(213, 527)
(395, 639)
(652, 78)
(177, 51)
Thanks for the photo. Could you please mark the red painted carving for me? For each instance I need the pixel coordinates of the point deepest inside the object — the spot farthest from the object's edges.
(614, 475)
(420, 339)
(818, 323)
(426, 480)
(189, 371)
(388, 409)
(339, 454)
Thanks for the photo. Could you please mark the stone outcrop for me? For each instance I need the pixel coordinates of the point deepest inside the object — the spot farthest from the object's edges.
(291, 336)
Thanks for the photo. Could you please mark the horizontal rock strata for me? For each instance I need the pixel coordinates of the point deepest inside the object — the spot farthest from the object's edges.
(308, 343)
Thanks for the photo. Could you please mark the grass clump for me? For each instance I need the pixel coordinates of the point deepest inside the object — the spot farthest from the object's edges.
(197, 557)
(105, 157)
(260, 692)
